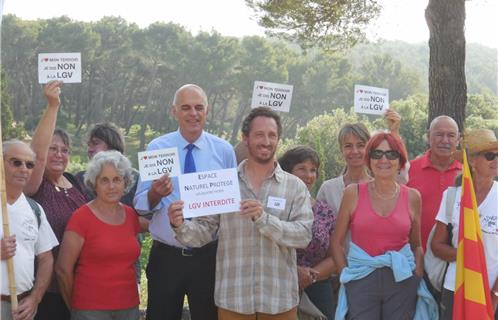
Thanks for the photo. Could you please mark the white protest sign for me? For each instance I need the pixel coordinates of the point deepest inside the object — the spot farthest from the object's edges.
(370, 100)
(154, 164)
(65, 67)
(276, 96)
(209, 192)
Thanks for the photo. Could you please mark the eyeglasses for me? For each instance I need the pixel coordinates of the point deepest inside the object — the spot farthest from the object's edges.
(390, 154)
(18, 163)
(55, 150)
(490, 156)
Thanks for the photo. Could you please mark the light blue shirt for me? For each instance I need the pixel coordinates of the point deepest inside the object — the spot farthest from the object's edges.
(210, 153)
(402, 263)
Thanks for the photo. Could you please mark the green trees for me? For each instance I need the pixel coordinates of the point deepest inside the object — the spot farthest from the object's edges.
(337, 23)
(10, 128)
(330, 24)
(482, 111)
(320, 133)
(130, 75)
(384, 71)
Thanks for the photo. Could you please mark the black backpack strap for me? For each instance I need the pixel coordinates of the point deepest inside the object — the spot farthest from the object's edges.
(74, 181)
(36, 210)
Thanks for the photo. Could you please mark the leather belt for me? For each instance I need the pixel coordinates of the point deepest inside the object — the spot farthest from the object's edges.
(19, 296)
(185, 252)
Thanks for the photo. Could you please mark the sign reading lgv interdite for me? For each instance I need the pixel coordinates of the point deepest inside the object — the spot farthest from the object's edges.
(65, 67)
(276, 96)
(370, 100)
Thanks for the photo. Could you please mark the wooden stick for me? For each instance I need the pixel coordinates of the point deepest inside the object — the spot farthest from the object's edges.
(6, 230)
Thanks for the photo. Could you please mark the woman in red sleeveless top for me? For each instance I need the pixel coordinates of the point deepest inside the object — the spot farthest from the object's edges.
(383, 216)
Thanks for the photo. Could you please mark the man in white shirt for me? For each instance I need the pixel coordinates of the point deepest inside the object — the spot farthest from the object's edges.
(31, 236)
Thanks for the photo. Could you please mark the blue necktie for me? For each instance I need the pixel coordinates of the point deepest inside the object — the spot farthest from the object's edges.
(189, 160)
(189, 165)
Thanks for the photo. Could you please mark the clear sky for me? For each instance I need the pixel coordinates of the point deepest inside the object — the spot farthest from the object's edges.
(400, 19)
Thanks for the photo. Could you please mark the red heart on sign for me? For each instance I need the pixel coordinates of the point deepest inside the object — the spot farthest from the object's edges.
(145, 157)
(261, 87)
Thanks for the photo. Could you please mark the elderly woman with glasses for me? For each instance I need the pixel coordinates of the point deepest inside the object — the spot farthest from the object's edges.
(482, 147)
(384, 219)
(95, 267)
(57, 191)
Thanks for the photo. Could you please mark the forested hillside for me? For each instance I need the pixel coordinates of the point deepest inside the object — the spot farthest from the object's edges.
(130, 75)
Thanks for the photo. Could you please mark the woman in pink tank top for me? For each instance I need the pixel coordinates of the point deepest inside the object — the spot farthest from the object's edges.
(382, 216)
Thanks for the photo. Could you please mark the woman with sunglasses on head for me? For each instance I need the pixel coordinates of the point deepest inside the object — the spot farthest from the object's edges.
(384, 220)
(482, 154)
(315, 263)
(57, 191)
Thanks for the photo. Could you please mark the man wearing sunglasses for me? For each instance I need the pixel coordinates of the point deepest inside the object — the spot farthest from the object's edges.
(435, 170)
(29, 238)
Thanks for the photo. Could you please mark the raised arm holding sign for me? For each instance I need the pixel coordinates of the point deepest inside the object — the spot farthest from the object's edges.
(370, 100)
(276, 96)
(59, 66)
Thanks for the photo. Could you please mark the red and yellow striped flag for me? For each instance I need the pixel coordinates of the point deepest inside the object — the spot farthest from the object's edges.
(472, 293)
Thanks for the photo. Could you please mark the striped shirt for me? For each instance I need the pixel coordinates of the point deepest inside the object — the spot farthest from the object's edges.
(256, 267)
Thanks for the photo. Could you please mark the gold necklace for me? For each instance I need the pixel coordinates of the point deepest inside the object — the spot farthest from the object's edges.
(396, 189)
(58, 189)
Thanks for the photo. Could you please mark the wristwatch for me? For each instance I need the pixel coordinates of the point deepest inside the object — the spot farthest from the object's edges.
(495, 293)
(313, 277)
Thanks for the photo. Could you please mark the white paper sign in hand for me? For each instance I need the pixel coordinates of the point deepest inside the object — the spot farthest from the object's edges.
(209, 192)
(65, 67)
(370, 100)
(156, 163)
(276, 96)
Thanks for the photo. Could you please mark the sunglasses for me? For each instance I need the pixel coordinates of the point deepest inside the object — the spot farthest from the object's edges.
(390, 154)
(18, 163)
(490, 156)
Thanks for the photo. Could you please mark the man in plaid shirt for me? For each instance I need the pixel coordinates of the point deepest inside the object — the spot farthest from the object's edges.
(256, 272)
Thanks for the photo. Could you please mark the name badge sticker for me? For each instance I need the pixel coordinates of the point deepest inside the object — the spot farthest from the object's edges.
(276, 203)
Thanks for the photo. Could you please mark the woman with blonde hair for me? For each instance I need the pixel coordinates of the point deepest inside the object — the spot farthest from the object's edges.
(353, 139)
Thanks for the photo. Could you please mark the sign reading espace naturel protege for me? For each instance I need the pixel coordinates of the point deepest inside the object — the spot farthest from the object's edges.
(209, 192)
(370, 100)
(154, 164)
(65, 67)
(276, 96)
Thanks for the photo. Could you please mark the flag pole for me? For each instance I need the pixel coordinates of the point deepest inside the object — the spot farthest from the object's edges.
(6, 231)
(472, 298)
